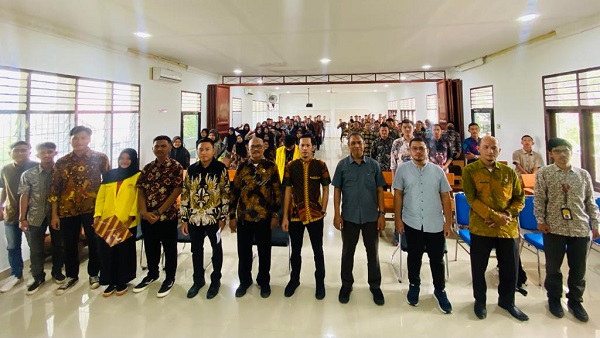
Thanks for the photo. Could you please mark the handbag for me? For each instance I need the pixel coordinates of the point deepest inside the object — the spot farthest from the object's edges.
(112, 231)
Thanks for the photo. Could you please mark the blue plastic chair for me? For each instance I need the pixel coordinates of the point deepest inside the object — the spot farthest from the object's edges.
(596, 243)
(531, 235)
(462, 209)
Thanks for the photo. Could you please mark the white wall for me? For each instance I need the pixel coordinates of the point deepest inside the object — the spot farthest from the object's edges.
(28, 49)
(417, 90)
(517, 81)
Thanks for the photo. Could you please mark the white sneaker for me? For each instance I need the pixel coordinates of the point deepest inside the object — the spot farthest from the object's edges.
(10, 283)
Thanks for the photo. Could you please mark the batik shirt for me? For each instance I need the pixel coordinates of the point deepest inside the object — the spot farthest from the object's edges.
(158, 181)
(205, 194)
(400, 153)
(381, 151)
(453, 138)
(256, 193)
(306, 179)
(470, 145)
(439, 151)
(368, 137)
(76, 181)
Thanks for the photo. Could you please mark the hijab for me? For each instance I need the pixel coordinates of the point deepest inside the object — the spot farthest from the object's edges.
(231, 138)
(240, 149)
(119, 174)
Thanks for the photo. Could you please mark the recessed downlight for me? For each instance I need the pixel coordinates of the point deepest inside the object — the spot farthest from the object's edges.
(426, 66)
(528, 17)
(142, 35)
(237, 71)
(325, 61)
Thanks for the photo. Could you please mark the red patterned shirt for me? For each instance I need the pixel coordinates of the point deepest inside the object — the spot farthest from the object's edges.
(158, 181)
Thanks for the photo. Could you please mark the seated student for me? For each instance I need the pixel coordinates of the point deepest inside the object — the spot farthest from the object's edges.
(35, 211)
(526, 160)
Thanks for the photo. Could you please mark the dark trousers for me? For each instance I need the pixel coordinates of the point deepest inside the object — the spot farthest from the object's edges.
(35, 238)
(508, 258)
(350, 233)
(71, 228)
(434, 244)
(118, 263)
(576, 249)
(315, 232)
(249, 233)
(197, 234)
(165, 233)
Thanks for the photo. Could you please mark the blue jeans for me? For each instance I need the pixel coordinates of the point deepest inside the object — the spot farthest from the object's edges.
(13, 241)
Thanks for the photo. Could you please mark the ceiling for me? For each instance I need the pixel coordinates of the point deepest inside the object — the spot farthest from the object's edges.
(286, 37)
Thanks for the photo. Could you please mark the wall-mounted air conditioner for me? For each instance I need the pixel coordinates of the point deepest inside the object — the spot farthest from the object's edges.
(163, 74)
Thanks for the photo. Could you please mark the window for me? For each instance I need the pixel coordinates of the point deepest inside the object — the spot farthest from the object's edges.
(431, 105)
(392, 108)
(191, 104)
(482, 109)
(259, 111)
(41, 107)
(572, 108)
(407, 109)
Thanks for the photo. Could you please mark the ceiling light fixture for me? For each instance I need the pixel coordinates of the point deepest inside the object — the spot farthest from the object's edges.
(259, 81)
(386, 85)
(237, 71)
(287, 92)
(142, 35)
(276, 88)
(325, 61)
(528, 17)
(426, 66)
(402, 78)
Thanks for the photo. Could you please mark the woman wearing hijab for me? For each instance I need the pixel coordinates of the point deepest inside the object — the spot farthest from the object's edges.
(179, 153)
(244, 130)
(229, 140)
(240, 152)
(203, 133)
(118, 197)
(219, 146)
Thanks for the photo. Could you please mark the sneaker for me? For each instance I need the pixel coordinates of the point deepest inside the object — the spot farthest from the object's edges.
(378, 296)
(94, 282)
(412, 297)
(59, 278)
(35, 286)
(578, 311)
(555, 307)
(193, 291)
(165, 288)
(344, 296)
(122, 289)
(290, 288)
(144, 284)
(109, 291)
(213, 290)
(443, 302)
(10, 283)
(66, 286)
(241, 290)
(265, 291)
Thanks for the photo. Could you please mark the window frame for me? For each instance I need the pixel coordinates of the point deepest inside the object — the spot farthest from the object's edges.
(483, 110)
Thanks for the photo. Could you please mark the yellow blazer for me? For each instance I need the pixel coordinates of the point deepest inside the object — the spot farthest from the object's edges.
(280, 159)
(122, 204)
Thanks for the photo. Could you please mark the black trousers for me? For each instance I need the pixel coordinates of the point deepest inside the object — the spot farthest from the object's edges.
(434, 244)
(118, 264)
(165, 233)
(350, 233)
(71, 228)
(249, 233)
(315, 232)
(508, 258)
(576, 249)
(197, 234)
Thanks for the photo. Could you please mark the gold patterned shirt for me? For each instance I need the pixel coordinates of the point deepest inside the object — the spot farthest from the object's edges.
(256, 193)
(306, 179)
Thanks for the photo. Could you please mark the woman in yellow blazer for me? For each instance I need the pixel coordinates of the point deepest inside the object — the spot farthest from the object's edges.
(118, 197)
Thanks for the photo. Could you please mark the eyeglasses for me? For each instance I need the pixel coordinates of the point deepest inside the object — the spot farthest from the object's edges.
(561, 151)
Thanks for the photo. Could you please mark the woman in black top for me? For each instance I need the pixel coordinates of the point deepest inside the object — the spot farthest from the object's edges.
(179, 153)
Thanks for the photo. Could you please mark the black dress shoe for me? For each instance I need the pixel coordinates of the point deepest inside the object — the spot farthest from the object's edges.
(480, 310)
(378, 296)
(193, 291)
(515, 312)
(265, 291)
(344, 296)
(241, 290)
(555, 307)
(320, 291)
(213, 290)
(291, 288)
(577, 310)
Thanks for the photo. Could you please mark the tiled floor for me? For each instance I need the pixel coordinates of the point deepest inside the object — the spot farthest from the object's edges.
(85, 313)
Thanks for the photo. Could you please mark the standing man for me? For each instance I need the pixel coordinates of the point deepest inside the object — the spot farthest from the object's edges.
(75, 183)
(159, 185)
(564, 207)
(9, 209)
(422, 203)
(470, 145)
(400, 153)
(256, 198)
(359, 185)
(526, 160)
(381, 149)
(286, 153)
(495, 195)
(36, 211)
(453, 138)
(369, 136)
(303, 179)
(440, 153)
(204, 210)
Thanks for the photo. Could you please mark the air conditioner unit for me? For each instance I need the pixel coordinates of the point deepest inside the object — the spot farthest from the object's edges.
(163, 74)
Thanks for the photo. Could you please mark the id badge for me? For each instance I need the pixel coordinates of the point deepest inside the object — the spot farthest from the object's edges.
(566, 214)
